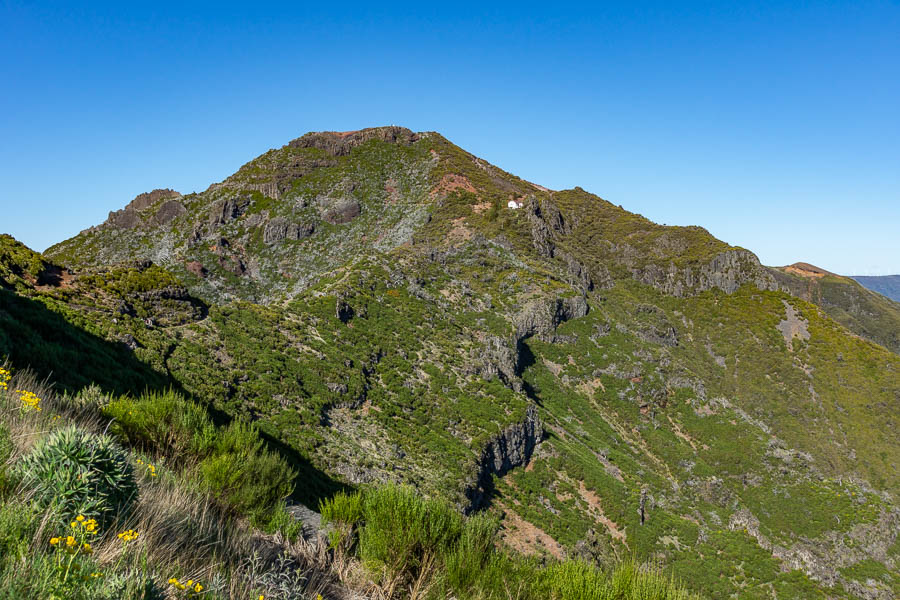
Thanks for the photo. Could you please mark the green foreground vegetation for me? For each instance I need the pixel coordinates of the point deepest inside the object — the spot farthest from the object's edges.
(165, 506)
(429, 548)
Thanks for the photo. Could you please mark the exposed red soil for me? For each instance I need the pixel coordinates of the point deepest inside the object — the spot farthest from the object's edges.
(451, 182)
(803, 269)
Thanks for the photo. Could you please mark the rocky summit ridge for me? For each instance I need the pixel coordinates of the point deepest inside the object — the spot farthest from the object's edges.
(387, 307)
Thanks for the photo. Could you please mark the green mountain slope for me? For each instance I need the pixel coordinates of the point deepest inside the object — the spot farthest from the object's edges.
(862, 311)
(609, 386)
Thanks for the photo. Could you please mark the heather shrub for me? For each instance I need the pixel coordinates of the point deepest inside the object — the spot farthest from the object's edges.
(163, 423)
(243, 473)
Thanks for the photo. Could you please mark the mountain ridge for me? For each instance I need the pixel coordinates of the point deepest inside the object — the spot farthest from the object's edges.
(601, 383)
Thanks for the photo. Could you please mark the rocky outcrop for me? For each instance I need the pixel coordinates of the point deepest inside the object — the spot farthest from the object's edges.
(822, 559)
(340, 143)
(541, 318)
(279, 229)
(148, 199)
(547, 223)
(654, 326)
(502, 358)
(195, 267)
(168, 212)
(511, 448)
(129, 217)
(226, 210)
(341, 211)
(124, 219)
(498, 358)
(727, 271)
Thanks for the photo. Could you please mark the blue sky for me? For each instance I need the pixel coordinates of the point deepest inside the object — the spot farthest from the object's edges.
(774, 125)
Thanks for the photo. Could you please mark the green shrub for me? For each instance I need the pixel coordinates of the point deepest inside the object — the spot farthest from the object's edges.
(343, 512)
(241, 471)
(18, 522)
(231, 462)
(471, 552)
(163, 423)
(402, 537)
(577, 580)
(283, 522)
(77, 472)
(402, 531)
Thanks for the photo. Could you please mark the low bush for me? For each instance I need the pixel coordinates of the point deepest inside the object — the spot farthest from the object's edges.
(6, 449)
(251, 479)
(232, 462)
(163, 423)
(425, 546)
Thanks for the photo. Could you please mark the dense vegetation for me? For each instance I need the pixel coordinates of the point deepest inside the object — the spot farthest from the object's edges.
(82, 517)
(427, 547)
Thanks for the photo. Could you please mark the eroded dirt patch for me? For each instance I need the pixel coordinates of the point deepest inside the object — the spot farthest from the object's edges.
(524, 537)
(596, 510)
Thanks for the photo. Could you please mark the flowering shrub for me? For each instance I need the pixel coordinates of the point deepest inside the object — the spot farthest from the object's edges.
(72, 556)
(151, 469)
(189, 588)
(5, 376)
(29, 400)
(80, 473)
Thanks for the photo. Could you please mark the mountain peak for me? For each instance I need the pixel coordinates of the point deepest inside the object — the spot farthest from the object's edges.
(148, 199)
(339, 143)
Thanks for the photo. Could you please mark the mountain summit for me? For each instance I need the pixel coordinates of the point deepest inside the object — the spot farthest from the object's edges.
(386, 307)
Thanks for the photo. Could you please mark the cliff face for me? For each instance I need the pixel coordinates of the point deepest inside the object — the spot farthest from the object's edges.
(727, 271)
(511, 448)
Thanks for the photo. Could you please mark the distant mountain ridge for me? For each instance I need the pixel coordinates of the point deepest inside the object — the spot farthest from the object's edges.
(886, 285)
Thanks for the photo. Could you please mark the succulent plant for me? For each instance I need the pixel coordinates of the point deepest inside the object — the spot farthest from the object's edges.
(79, 472)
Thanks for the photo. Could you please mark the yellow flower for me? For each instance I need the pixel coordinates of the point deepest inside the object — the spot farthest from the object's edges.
(198, 588)
(79, 518)
(29, 399)
(54, 541)
(70, 541)
(87, 548)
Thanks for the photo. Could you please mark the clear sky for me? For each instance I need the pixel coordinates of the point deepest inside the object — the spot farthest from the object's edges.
(774, 125)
